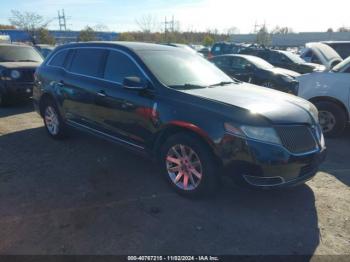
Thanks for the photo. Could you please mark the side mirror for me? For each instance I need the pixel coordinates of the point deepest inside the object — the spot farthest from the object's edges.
(134, 83)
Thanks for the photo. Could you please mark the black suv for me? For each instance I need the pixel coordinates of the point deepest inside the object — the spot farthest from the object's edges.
(257, 71)
(182, 110)
(223, 48)
(284, 59)
(17, 67)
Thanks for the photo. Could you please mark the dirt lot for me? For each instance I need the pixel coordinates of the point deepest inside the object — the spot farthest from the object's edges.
(87, 196)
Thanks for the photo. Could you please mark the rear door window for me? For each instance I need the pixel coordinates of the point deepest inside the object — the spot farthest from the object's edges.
(118, 66)
(88, 61)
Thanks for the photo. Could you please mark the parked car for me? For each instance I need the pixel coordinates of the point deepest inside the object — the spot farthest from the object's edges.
(255, 70)
(322, 54)
(223, 48)
(44, 50)
(330, 92)
(284, 59)
(205, 52)
(182, 110)
(185, 47)
(17, 67)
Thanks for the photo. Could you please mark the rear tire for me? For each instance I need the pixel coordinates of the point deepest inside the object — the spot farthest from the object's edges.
(332, 118)
(54, 124)
(189, 166)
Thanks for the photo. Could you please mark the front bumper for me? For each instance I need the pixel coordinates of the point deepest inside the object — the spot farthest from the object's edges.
(18, 89)
(267, 165)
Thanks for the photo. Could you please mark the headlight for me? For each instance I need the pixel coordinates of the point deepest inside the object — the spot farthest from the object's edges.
(264, 134)
(314, 113)
(15, 74)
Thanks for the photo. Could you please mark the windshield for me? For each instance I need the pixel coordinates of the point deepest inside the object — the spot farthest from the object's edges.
(260, 63)
(295, 58)
(19, 54)
(179, 68)
(339, 67)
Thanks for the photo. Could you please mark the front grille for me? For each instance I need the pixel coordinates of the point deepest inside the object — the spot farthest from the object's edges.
(297, 139)
(27, 75)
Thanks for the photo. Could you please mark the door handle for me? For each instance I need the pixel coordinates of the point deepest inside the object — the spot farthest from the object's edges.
(101, 93)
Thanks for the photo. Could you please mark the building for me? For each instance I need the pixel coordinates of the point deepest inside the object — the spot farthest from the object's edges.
(61, 37)
(294, 39)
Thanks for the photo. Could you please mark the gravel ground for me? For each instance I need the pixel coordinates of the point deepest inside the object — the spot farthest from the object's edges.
(84, 195)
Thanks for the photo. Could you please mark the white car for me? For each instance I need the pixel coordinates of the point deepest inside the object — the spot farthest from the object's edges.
(320, 53)
(329, 91)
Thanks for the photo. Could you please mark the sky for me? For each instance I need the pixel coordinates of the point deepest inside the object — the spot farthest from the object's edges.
(199, 15)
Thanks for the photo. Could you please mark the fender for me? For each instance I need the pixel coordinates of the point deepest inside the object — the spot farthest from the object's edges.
(193, 128)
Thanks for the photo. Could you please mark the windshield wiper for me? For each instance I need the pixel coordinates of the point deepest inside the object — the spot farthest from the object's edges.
(187, 86)
(224, 83)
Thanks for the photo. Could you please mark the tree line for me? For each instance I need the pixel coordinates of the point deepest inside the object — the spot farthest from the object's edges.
(36, 26)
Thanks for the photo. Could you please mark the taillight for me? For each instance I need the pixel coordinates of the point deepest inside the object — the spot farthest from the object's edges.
(210, 55)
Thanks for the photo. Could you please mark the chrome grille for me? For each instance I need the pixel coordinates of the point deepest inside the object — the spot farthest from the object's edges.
(297, 139)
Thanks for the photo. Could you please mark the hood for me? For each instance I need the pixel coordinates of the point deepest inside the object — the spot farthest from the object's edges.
(286, 72)
(278, 107)
(327, 55)
(18, 65)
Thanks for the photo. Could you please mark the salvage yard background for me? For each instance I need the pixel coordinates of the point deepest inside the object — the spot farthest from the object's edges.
(87, 196)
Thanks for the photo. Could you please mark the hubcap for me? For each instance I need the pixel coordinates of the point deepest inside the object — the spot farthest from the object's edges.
(327, 121)
(184, 167)
(51, 120)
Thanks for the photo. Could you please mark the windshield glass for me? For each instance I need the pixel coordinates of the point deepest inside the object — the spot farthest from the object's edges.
(259, 62)
(339, 67)
(179, 68)
(18, 54)
(295, 58)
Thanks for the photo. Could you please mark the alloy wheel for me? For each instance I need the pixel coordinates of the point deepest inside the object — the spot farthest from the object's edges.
(51, 120)
(184, 167)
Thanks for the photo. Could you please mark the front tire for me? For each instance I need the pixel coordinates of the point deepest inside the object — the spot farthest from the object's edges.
(189, 166)
(54, 123)
(332, 118)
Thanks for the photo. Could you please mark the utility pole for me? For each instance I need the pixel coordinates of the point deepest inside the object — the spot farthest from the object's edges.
(257, 27)
(169, 26)
(62, 20)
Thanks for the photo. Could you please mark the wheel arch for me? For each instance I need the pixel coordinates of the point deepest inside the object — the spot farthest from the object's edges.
(332, 100)
(177, 127)
(45, 97)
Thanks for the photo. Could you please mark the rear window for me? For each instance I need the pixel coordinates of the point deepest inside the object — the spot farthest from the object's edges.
(87, 61)
(58, 59)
